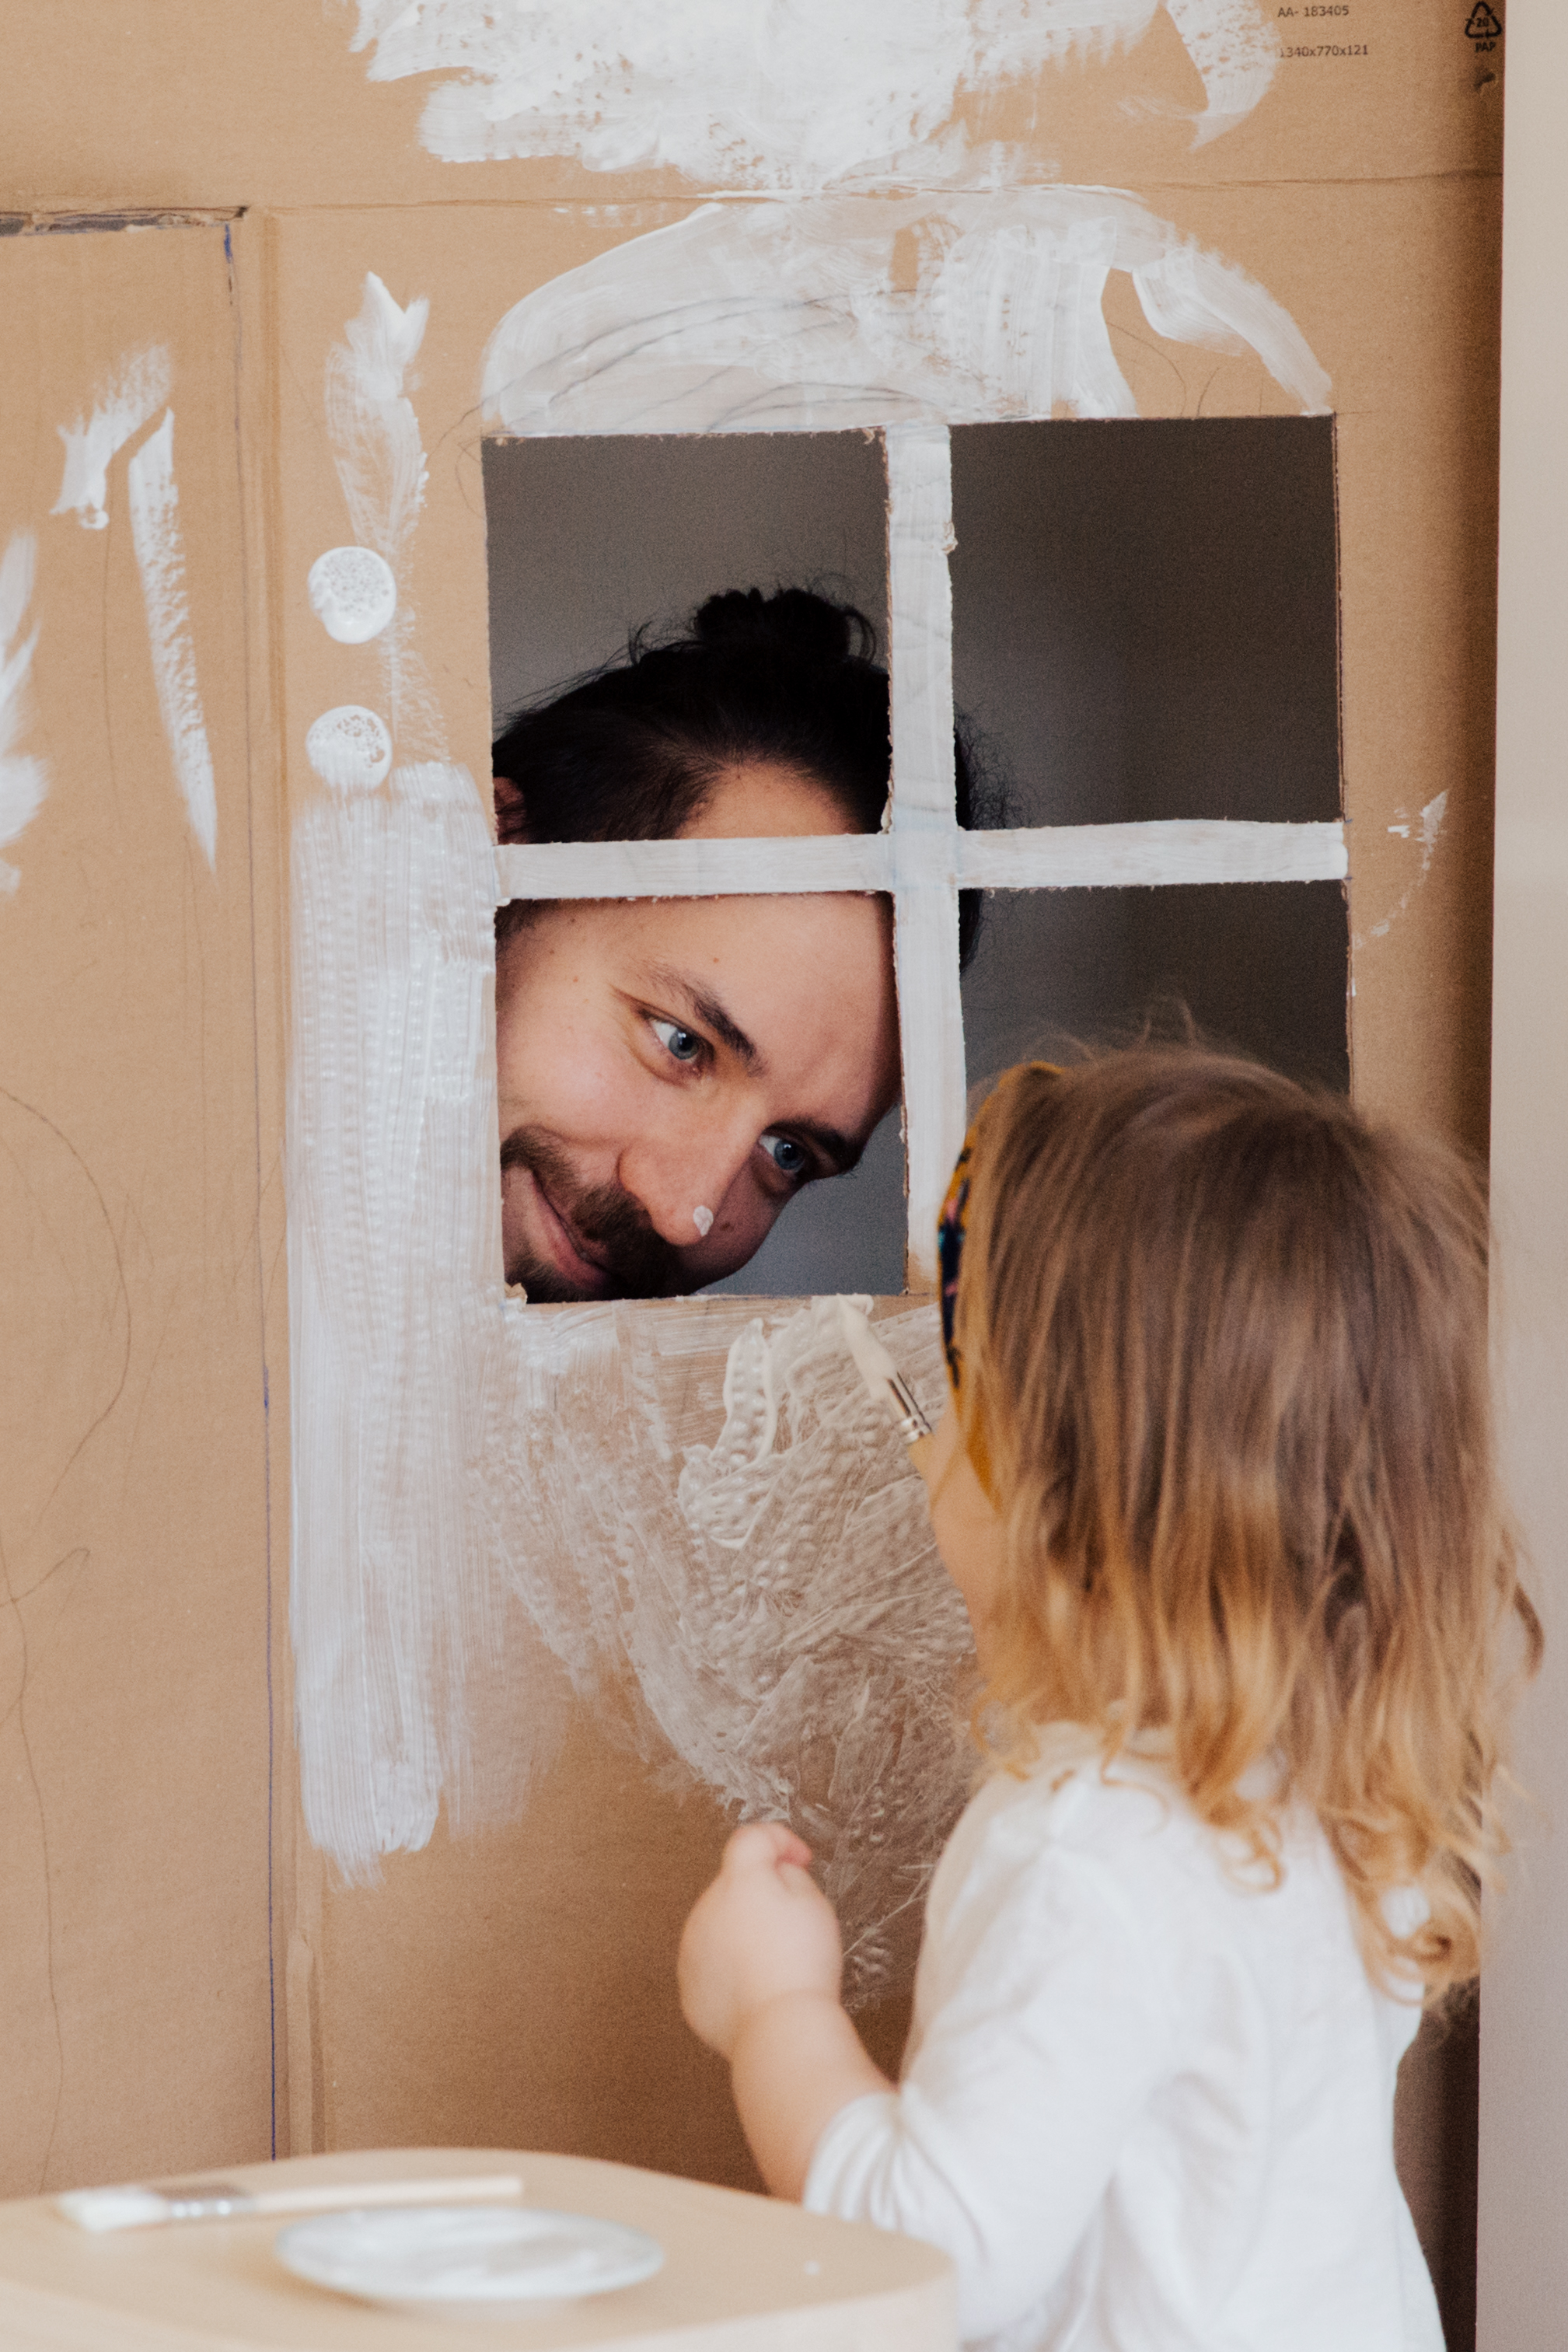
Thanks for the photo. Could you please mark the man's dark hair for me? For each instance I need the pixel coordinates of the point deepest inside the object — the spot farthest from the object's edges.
(633, 750)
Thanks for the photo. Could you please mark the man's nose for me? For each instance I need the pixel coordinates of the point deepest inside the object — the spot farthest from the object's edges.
(675, 1175)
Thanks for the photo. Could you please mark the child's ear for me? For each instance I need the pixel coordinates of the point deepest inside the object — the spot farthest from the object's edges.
(511, 816)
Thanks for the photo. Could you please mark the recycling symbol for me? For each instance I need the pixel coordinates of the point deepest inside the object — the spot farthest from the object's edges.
(1482, 25)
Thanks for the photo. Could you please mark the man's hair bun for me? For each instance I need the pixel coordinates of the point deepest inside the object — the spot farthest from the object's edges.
(793, 619)
(788, 680)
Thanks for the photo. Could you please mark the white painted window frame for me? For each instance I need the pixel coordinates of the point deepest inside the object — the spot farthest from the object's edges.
(924, 858)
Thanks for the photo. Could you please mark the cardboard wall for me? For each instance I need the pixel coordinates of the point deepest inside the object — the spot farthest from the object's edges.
(140, 1238)
(173, 1934)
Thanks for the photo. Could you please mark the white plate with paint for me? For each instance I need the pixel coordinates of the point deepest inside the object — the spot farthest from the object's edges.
(468, 2255)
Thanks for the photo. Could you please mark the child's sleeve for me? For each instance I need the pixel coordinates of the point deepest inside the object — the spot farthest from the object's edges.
(1048, 2037)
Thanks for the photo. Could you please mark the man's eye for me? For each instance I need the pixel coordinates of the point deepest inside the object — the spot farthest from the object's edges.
(682, 1045)
(788, 1156)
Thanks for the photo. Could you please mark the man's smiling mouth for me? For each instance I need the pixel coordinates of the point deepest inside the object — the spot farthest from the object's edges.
(559, 1228)
(566, 1240)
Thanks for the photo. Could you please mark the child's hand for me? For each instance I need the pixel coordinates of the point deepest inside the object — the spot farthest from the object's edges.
(758, 1971)
(762, 1929)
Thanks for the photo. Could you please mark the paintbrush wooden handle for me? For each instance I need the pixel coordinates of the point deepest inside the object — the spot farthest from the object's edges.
(455, 2189)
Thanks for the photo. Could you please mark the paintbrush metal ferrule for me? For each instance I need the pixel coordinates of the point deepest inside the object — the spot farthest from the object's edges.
(883, 1381)
(911, 1422)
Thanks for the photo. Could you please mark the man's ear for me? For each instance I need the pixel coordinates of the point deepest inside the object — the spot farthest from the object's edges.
(511, 821)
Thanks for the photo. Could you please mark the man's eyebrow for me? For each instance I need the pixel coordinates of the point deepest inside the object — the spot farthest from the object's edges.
(708, 1010)
(842, 1149)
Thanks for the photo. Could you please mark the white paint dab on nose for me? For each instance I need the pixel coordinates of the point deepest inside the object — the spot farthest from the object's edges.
(703, 1220)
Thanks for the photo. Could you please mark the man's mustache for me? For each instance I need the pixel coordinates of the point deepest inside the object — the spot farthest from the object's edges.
(615, 1229)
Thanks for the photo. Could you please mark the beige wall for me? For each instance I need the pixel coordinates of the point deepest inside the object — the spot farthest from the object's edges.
(1523, 2284)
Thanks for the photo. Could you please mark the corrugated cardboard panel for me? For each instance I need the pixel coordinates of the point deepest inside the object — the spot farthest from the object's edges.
(1398, 288)
(110, 103)
(527, 1974)
(1395, 288)
(134, 1541)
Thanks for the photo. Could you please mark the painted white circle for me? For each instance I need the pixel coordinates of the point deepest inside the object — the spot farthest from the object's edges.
(350, 749)
(353, 593)
(466, 2254)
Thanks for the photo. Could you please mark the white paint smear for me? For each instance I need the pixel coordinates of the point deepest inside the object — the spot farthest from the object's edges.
(926, 921)
(353, 593)
(745, 1584)
(381, 466)
(132, 398)
(792, 318)
(154, 499)
(400, 1606)
(350, 749)
(24, 779)
(690, 1517)
(375, 433)
(1428, 830)
(397, 1605)
(1164, 851)
(786, 96)
(1235, 50)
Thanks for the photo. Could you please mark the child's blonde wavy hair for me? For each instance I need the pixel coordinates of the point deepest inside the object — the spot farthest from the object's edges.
(1225, 1374)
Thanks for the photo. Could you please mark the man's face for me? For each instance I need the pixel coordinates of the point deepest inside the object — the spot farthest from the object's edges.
(662, 1062)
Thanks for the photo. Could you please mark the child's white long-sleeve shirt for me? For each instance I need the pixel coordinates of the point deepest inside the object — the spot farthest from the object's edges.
(1147, 2105)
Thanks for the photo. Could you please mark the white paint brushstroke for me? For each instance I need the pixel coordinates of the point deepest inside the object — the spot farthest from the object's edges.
(926, 921)
(1432, 817)
(375, 433)
(350, 749)
(1429, 832)
(1161, 852)
(155, 501)
(1235, 51)
(742, 1581)
(381, 466)
(787, 318)
(24, 778)
(692, 1517)
(402, 1620)
(722, 1550)
(419, 1681)
(352, 593)
(776, 96)
(920, 625)
(138, 389)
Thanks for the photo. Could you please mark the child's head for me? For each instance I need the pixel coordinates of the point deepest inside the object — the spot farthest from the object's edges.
(1223, 1370)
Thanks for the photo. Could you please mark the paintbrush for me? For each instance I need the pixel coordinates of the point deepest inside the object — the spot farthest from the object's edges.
(132, 2207)
(885, 1382)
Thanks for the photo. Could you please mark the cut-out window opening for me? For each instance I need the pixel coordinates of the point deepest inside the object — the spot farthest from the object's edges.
(1135, 621)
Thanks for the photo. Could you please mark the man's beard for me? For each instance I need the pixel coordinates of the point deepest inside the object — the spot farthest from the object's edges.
(616, 1228)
